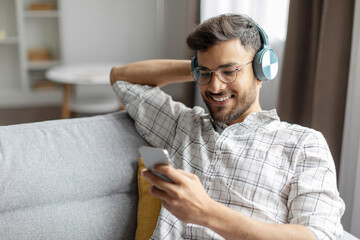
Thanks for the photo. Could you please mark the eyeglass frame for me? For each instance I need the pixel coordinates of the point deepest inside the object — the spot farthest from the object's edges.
(217, 72)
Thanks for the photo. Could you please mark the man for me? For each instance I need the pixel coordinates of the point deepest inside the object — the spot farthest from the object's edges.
(239, 173)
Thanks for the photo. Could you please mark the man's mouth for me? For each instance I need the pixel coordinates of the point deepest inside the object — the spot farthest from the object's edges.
(221, 99)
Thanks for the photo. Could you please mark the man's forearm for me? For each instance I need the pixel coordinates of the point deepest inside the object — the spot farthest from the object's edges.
(233, 225)
(153, 72)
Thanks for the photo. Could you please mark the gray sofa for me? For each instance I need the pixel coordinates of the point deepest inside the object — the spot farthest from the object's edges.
(70, 179)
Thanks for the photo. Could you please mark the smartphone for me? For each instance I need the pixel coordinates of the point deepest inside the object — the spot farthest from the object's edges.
(154, 156)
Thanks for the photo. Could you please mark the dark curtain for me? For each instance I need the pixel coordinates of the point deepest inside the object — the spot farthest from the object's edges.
(315, 69)
(193, 19)
(175, 32)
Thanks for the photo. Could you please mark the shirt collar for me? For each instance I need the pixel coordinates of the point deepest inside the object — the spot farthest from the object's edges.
(252, 121)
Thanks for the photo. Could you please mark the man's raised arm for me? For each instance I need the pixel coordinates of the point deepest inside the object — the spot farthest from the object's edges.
(153, 72)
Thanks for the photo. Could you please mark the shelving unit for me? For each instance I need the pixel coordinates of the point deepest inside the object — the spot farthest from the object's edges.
(22, 74)
(9, 40)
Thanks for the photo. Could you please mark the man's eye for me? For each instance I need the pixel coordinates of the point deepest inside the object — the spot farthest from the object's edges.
(204, 74)
(229, 72)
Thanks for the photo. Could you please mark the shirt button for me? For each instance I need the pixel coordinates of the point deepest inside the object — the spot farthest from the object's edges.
(208, 183)
(218, 152)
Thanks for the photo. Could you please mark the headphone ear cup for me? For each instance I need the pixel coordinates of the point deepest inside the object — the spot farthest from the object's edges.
(194, 63)
(266, 64)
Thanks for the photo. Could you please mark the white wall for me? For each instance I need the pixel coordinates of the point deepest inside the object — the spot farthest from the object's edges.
(110, 31)
(114, 31)
(126, 30)
(349, 181)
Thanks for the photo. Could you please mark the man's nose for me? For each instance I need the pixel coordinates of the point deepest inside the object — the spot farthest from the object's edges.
(216, 85)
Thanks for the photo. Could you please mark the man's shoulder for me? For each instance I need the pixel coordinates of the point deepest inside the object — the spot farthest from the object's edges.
(301, 128)
(301, 133)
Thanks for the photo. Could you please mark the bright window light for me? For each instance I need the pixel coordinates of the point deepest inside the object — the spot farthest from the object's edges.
(271, 15)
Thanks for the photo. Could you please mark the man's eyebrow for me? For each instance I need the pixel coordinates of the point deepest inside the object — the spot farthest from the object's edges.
(227, 64)
(222, 65)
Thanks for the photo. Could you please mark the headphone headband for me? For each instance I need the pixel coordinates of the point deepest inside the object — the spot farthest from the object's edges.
(263, 36)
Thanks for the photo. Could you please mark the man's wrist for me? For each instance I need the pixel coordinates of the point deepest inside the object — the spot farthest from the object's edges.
(210, 218)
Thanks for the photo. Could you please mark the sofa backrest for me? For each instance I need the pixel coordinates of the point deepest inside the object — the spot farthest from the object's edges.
(69, 179)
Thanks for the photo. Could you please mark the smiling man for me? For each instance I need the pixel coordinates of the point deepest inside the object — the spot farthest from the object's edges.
(238, 173)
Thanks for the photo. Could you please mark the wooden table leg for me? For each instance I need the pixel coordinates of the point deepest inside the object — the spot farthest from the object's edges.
(65, 111)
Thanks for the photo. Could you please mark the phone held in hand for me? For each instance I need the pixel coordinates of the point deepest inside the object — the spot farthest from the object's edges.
(155, 156)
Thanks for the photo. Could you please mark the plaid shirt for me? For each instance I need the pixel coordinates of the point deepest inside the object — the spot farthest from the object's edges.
(264, 168)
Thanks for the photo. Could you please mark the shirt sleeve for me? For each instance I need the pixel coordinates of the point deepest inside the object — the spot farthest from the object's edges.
(154, 112)
(314, 200)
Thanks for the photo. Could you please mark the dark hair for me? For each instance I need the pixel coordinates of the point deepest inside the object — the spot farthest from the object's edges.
(222, 28)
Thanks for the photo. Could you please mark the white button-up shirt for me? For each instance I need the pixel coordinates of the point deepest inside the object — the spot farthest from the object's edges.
(266, 169)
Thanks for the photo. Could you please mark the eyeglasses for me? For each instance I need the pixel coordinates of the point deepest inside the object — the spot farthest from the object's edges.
(226, 73)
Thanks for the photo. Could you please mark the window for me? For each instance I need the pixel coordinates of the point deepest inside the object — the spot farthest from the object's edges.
(270, 15)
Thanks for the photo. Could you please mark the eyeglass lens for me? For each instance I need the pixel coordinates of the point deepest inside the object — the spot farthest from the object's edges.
(226, 74)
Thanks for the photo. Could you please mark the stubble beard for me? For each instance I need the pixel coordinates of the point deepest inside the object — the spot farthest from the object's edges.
(237, 111)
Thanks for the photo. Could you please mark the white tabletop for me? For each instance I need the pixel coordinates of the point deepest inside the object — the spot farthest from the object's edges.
(88, 74)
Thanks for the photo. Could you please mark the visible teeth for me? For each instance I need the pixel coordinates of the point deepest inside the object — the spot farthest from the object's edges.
(221, 99)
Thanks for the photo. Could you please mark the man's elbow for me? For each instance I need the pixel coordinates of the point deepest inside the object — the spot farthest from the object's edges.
(116, 74)
(112, 75)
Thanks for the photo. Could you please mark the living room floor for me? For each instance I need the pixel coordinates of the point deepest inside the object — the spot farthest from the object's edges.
(10, 116)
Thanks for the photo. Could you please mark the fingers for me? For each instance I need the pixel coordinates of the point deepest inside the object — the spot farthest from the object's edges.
(189, 175)
(179, 177)
(156, 180)
(156, 192)
(176, 175)
(160, 188)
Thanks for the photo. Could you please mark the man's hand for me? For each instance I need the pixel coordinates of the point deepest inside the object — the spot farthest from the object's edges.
(186, 198)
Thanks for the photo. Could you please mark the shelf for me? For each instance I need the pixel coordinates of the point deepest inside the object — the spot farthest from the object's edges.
(9, 40)
(42, 65)
(26, 25)
(41, 14)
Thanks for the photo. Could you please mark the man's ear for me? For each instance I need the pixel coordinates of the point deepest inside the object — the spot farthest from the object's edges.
(259, 83)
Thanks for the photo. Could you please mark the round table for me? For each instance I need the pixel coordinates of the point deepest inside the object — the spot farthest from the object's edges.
(85, 74)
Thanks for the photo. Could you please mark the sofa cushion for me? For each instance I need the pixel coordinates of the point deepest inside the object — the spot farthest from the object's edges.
(148, 207)
(85, 167)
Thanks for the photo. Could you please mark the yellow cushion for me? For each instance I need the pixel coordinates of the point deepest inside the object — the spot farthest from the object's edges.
(148, 208)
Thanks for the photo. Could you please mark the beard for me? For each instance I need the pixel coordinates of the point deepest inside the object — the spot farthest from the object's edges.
(244, 102)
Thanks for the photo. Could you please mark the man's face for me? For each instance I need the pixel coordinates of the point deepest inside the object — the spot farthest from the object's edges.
(230, 103)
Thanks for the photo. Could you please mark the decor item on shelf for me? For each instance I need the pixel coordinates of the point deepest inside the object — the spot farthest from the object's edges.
(39, 54)
(2, 34)
(40, 6)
